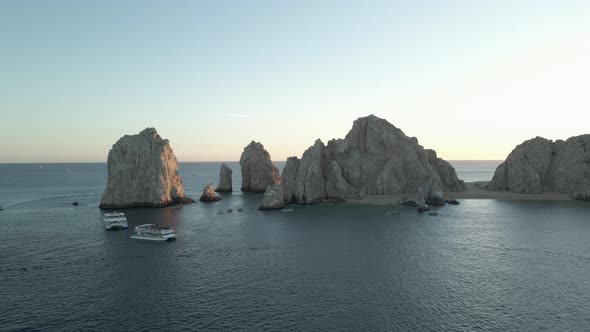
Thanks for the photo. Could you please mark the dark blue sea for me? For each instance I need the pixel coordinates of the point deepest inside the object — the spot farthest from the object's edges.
(486, 265)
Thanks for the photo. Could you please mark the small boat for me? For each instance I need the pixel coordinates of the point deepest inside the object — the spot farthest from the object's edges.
(114, 220)
(289, 209)
(153, 233)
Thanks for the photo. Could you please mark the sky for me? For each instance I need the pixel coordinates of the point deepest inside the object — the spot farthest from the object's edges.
(470, 79)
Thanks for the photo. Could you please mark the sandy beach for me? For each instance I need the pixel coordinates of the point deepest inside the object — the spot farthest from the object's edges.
(475, 190)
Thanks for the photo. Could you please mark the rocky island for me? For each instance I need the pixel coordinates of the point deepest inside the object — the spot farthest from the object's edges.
(258, 171)
(540, 165)
(273, 198)
(375, 158)
(225, 182)
(208, 194)
(142, 171)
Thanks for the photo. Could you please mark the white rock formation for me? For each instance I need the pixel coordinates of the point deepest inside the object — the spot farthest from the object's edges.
(209, 195)
(540, 165)
(374, 158)
(258, 172)
(142, 171)
(421, 202)
(306, 183)
(420, 198)
(273, 198)
(225, 183)
(291, 186)
(436, 195)
(336, 184)
(445, 171)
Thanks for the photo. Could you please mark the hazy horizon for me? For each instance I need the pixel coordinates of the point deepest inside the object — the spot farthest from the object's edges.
(470, 80)
(212, 161)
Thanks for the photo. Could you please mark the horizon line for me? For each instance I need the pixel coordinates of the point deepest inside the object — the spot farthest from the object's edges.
(186, 161)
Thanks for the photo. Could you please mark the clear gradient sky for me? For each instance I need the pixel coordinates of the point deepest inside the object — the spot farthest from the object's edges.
(470, 79)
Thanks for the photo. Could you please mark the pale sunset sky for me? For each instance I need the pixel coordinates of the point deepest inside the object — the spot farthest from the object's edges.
(470, 79)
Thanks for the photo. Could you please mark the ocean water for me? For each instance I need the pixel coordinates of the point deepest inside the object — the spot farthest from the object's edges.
(483, 265)
(475, 170)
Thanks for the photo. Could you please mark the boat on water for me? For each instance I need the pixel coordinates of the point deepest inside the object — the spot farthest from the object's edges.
(291, 208)
(154, 233)
(114, 220)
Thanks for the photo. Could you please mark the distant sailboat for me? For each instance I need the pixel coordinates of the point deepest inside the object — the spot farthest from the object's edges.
(41, 166)
(69, 170)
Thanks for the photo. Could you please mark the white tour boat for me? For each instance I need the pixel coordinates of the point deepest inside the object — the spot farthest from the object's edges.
(114, 220)
(154, 233)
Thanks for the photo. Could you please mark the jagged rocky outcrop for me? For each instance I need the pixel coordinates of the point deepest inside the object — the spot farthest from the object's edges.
(421, 201)
(375, 158)
(446, 172)
(304, 179)
(541, 165)
(436, 195)
(273, 198)
(337, 185)
(142, 171)
(225, 183)
(209, 195)
(258, 171)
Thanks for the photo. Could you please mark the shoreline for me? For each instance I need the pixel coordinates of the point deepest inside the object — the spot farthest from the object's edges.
(474, 190)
